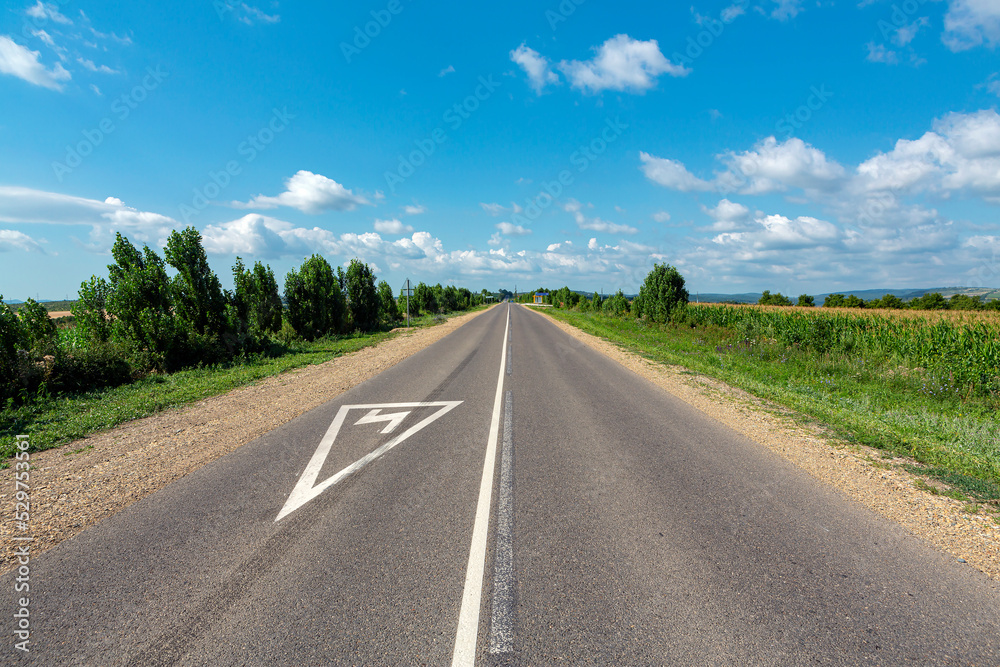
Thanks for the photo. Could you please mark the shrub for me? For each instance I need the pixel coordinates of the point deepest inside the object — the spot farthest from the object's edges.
(140, 307)
(806, 301)
(315, 302)
(256, 303)
(616, 305)
(423, 298)
(12, 339)
(388, 309)
(39, 329)
(90, 311)
(362, 299)
(661, 294)
(98, 365)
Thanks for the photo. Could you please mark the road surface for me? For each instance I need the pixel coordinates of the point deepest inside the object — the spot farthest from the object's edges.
(505, 496)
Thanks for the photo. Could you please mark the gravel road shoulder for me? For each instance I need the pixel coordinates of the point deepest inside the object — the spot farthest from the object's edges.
(78, 484)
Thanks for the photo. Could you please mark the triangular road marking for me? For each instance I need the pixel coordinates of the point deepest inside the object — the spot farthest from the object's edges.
(306, 489)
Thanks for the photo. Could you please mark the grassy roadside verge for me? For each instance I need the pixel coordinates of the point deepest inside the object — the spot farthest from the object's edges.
(56, 420)
(954, 439)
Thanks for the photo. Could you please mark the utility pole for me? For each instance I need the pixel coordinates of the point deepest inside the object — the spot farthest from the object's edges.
(407, 290)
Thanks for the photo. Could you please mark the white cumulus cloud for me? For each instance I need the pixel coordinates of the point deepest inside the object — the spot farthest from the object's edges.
(309, 193)
(621, 63)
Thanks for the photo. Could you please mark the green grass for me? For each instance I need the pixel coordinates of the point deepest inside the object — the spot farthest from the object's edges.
(55, 420)
(905, 411)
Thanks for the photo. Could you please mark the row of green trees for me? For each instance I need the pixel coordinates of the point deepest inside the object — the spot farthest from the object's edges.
(661, 298)
(932, 301)
(435, 298)
(139, 319)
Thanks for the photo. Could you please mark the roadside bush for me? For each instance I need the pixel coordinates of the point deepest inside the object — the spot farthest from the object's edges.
(12, 339)
(661, 294)
(90, 311)
(139, 304)
(424, 299)
(362, 299)
(388, 309)
(616, 305)
(315, 302)
(256, 303)
(39, 329)
(99, 365)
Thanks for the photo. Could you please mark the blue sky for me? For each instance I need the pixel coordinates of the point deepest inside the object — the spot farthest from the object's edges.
(779, 144)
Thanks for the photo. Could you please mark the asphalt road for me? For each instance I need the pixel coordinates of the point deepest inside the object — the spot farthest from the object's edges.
(506, 496)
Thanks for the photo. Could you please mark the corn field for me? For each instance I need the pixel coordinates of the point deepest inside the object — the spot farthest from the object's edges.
(966, 349)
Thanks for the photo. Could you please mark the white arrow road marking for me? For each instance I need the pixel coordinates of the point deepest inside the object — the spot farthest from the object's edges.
(306, 489)
(393, 419)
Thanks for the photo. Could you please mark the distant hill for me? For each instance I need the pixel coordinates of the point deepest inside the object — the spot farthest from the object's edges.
(746, 297)
(987, 294)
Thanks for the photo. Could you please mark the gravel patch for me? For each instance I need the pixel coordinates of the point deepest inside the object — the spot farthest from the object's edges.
(76, 485)
(858, 472)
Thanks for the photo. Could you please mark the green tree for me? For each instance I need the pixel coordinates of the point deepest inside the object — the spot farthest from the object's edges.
(854, 302)
(889, 301)
(195, 290)
(256, 302)
(806, 301)
(450, 299)
(388, 309)
(596, 301)
(315, 302)
(616, 305)
(38, 327)
(834, 301)
(965, 302)
(464, 298)
(362, 299)
(12, 339)
(91, 311)
(777, 299)
(423, 298)
(661, 295)
(932, 301)
(140, 306)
